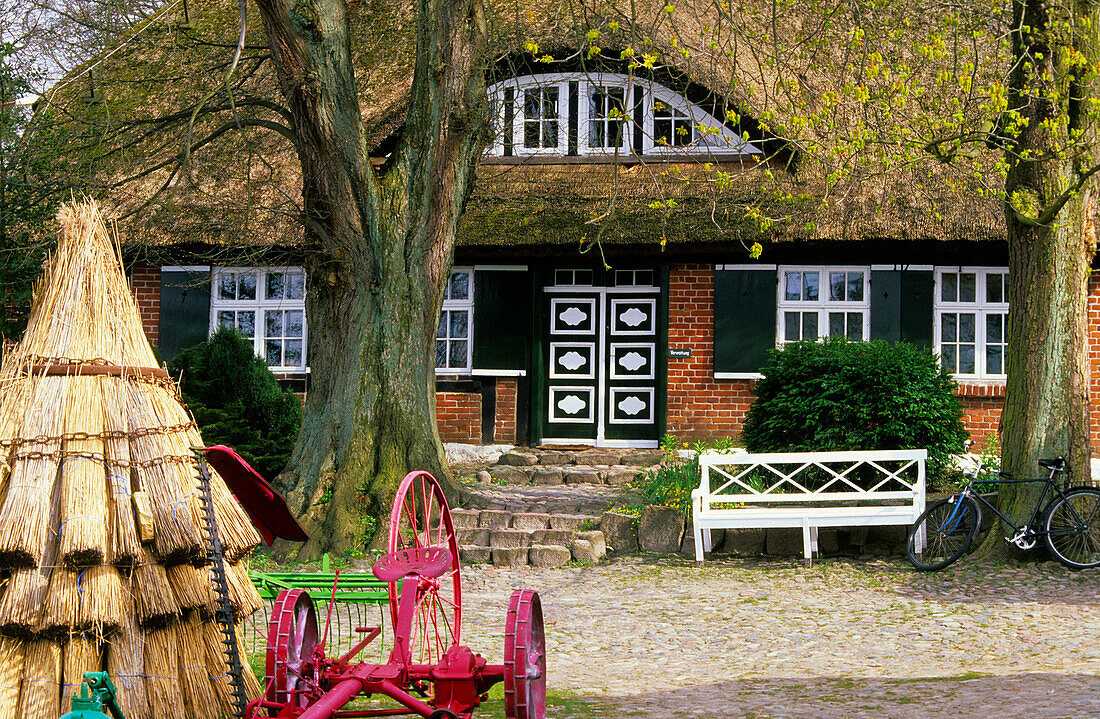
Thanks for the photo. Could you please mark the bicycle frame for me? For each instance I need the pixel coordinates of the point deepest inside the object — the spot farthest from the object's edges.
(1029, 528)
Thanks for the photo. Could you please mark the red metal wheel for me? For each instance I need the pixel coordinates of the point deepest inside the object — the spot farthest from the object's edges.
(421, 517)
(524, 657)
(291, 645)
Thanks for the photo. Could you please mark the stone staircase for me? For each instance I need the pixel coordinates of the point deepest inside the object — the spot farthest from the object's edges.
(544, 507)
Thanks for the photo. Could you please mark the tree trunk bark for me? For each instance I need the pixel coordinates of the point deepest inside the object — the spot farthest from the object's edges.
(379, 246)
(1046, 412)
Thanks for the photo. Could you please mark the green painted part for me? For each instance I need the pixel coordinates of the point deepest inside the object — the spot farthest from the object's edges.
(325, 563)
(502, 319)
(901, 306)
(363, 588)
(744, 318)
(184, 311)
(96, 694)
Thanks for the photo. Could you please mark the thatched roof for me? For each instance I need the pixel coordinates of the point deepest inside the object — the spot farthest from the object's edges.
(241, 191)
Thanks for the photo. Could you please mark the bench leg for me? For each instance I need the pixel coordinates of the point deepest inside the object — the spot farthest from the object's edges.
(699, 534)
(809, 542)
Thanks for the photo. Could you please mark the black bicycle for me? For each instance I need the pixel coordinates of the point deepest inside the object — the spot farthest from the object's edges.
(1070, 522)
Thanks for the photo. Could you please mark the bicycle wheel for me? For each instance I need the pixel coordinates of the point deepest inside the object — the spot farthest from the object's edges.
(943, 532)
(1073, 528)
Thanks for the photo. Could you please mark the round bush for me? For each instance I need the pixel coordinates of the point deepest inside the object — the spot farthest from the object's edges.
(237, 401)
(841, 395)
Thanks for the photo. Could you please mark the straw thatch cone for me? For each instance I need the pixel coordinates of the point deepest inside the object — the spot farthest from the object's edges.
(88, 422)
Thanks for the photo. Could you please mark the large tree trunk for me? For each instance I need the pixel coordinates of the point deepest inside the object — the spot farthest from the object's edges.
(1051, 245)
(379, 246)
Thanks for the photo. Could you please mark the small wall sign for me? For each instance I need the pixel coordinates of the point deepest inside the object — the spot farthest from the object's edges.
(678, 353)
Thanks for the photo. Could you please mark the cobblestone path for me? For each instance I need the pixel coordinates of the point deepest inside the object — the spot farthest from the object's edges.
(663, 638)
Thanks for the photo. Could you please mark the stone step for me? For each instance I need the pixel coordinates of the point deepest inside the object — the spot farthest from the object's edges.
(539, 547)
(618, 475)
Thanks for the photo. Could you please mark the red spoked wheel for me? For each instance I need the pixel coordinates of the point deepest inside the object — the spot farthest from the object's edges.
(421, 517)
(524, 657)
(291, 644)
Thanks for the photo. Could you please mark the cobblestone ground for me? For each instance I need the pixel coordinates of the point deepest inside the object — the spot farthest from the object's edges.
(663, 638)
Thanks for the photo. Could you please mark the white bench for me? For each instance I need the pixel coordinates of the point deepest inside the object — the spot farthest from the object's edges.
(849, 489)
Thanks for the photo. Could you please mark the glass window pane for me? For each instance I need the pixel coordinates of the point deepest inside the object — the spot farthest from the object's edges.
(809, 325)
(855, 286)
(227, 286)
(582, 277)
(643, 278)
(793, 286)
(441, 331)
(296, 286)
(949, 331)
(246, 323)
(531, 134)
(294, 320)
(947, 358)
(246, 289)
(440, 353)
(457, 356)
(967, 287)
(275, 286)
(836, 324)
(227, 319)
(563, 277)
(949, 289)
(459, 286)
(273, 353)
(993, 360)
(809, 286)
(273, 324)
(994, 288)
(790, 326)
(993, 329)
(293, 353)
(966, 359)
(967, 328)
(458, 324)
(855, 326)
(836, 286)
(550, 133)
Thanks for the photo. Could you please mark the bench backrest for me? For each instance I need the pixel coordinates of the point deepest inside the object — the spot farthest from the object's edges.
(805, 477)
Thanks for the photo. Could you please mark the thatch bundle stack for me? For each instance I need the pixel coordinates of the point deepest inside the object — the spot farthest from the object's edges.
(96, 442)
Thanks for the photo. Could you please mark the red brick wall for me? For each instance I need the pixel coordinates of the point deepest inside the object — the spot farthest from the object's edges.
(145, 283)
(504, 428)
(1094, 360)
(458, 416)
(699, 406)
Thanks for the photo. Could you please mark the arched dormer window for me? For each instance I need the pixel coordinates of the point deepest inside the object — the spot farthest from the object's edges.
(600, 114)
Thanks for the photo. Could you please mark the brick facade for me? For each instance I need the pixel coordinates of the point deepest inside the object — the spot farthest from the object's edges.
(504, 428)
(699, 406)
(458, 417)
(145, 284)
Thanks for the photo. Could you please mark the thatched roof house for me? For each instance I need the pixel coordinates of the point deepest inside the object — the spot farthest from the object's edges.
(676, 169)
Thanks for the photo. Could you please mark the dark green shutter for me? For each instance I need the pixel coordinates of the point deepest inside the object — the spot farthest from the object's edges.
(184, 310)
(901, 306)
(502, 319)
(744, 318)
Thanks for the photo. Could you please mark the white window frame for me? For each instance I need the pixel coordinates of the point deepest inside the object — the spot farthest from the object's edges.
(981, 308)
(822, 305)
(459, 305)
(586, 85)
(724, 143)
(259, 306)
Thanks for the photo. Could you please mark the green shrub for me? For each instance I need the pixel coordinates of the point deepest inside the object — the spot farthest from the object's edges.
(237, 401)
(840, 395)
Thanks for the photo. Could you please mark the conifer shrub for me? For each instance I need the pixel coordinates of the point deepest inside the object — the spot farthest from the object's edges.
(237, 401)
(840, 395)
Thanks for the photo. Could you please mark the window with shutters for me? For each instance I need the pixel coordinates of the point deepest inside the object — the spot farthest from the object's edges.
(266, 305)
(971, 320)
(816, 302)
